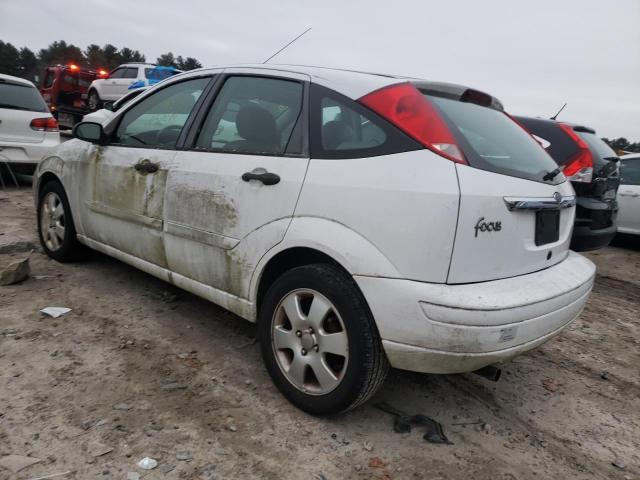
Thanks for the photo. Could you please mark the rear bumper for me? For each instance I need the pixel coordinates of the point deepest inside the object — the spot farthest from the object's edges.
(28, 153)
(438, 328)
(595, 224)
(584, 238)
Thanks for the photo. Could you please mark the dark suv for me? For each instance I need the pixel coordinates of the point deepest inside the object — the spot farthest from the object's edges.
(591, 166)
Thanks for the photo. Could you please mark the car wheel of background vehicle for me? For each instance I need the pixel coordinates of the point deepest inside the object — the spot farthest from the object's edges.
(56, 230)
(94, 101)
(319, 340)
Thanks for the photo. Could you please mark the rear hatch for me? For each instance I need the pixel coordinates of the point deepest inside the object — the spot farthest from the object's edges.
(571, 146)
(516, 209)
(20, 104)
(588, 161)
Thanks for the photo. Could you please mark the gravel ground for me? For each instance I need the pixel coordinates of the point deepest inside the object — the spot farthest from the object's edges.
(139, 368)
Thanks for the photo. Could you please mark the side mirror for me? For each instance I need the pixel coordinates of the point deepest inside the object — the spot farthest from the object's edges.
(89, 132)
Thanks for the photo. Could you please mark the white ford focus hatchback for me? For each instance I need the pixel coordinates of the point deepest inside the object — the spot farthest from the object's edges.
(362, 220)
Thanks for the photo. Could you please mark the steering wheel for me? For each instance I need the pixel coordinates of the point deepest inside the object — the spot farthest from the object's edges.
(171, 131)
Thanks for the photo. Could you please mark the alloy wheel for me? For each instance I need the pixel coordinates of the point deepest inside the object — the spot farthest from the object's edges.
(52, 221)
(310, 341)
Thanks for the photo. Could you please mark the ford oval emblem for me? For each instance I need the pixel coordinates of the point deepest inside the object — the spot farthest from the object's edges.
(557, 197)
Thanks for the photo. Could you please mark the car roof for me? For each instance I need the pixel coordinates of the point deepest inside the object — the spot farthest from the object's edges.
(629, 156)
(13, 79)
(351, 83)
(136, 64)
(575, 126)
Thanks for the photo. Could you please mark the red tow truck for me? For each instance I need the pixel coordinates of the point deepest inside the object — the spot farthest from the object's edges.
(64, 88)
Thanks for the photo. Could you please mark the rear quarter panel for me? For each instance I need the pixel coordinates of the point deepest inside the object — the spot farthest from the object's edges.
(404, 205)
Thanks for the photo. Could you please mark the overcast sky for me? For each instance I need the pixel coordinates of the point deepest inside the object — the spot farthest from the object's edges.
(533, 55)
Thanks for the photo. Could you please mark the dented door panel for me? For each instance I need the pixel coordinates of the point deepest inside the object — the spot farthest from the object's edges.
(211, 214)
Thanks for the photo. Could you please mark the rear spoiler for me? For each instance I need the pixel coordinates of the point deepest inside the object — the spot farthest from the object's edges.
(459, 93)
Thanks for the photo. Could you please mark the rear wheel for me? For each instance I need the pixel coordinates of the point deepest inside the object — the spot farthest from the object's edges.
(55, 225)
(319, 341)
(94, 101)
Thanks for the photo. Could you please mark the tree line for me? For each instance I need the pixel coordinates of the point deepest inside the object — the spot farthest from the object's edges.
(25, 63)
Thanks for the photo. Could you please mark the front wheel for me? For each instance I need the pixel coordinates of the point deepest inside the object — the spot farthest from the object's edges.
(55, 225)
(319, 341)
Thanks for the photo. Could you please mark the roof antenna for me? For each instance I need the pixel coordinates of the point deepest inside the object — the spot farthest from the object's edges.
(287, 45)
(556, 115)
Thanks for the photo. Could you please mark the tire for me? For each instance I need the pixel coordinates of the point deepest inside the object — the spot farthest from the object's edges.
(56, 230)
(302, 309)
(94, 102)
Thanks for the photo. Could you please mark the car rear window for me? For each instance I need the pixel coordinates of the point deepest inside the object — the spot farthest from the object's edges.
(21, 97)
(492, 141)
(597, 145)
(557, 143)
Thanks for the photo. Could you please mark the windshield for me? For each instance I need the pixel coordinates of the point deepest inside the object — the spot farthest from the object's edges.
(492, 141)
(21, 97)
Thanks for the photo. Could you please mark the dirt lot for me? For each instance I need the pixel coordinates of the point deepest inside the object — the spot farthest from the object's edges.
(139, 369)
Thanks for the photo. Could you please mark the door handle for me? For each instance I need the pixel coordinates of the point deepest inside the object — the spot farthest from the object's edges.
(146, 166)
(261, 175)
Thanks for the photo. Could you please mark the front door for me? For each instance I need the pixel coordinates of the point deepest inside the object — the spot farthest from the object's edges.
(118, 82)
(128, 176)
(236, 189)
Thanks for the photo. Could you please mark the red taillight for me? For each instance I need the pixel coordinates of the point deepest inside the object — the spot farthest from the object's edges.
(73, 67)
(48, 124)
(102, 73)
(580, 167)
(405, 107)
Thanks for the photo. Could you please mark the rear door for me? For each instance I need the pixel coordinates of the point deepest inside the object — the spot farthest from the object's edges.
(243, 172)
(19, 104)
(515, 216)
(629, 196)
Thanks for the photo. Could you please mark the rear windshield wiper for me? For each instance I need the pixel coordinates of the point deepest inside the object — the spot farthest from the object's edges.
(612, 159)
(551, 175)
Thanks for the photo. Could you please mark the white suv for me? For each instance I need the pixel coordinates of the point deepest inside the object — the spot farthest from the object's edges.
(362, 220)
(28, 131)
(116, 84)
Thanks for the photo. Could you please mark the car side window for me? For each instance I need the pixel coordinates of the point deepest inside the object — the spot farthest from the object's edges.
(156, 121)
(253, 115)
(342, 128)
(130, 73)
(345, 129)
(630, 172)
(117, 73)
(48, 79)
